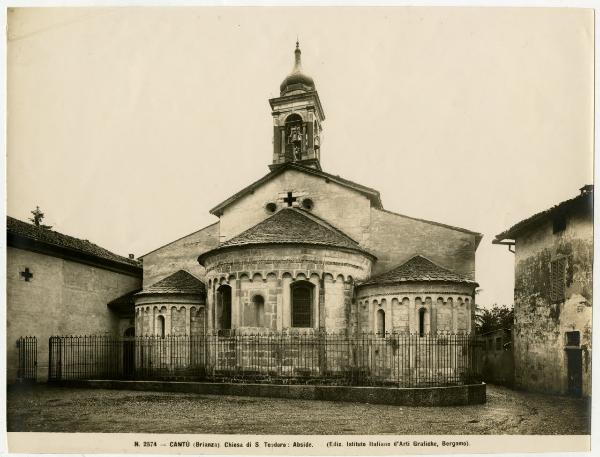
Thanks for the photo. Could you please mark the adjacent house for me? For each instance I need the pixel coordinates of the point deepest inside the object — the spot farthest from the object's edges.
(552, 332)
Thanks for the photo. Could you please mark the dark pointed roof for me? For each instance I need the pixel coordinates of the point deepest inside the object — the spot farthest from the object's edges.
(297, 80)
(28, 236)
(180, 282)
(291, 226)
(418, 269)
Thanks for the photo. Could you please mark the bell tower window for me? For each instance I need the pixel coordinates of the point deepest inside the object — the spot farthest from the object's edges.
(294, 135)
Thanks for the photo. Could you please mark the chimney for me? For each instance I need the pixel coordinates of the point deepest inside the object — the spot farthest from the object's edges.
(131, 256)
(587, 189)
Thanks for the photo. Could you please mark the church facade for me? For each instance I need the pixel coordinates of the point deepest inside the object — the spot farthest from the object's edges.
(301, 249)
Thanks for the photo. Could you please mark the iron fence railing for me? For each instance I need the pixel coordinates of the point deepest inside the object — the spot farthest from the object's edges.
(27, 359)
(404, 360)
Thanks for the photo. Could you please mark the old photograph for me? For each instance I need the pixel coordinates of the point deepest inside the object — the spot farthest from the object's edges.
(341, 226)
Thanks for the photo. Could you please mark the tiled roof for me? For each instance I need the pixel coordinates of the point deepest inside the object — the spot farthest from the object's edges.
(370, 193)
(23, 230)
(418, 269)
(180, 282)
(291, 226)
(585, 201)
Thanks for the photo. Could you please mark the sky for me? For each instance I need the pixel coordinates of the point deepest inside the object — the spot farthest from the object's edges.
(126, 125)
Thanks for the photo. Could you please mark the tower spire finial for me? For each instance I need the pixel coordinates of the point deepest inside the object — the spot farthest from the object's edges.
(297, 60)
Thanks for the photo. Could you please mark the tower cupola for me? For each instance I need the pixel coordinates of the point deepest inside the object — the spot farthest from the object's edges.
(297, 80)
(297, 118)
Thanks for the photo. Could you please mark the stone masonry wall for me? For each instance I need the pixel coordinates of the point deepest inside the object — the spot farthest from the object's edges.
(62, 298)
(449, 307)
(540, 324)
(270, 272)
(394, 239)
(181, 254)
(342, 207)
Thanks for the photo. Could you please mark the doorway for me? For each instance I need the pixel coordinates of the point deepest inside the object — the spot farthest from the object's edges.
(574, 372)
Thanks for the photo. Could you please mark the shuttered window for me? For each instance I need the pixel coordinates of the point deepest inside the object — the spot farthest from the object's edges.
(557, 279)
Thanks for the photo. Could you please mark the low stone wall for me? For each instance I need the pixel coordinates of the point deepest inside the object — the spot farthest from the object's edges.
(470, 394)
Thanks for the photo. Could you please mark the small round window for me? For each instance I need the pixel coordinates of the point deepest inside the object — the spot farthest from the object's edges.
(307, 203)
(271, 207)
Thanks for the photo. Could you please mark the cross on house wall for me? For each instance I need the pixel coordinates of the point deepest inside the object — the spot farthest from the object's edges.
(290, 199)
(27, 275)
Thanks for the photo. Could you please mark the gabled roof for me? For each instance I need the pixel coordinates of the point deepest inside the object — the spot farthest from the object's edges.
(28, 236)
(291, 226)
(418, 269)
(180, 282)
(372, 194)
(584, 201)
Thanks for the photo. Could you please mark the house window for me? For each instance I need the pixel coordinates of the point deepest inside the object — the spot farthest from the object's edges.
(557, 279)
(380, 321)
(224, 307)
(499, 343)
(573, 339)
(161, 326)
(559, 223)
(302, 304)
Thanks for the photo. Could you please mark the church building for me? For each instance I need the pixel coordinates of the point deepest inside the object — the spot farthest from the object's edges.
(303, 249)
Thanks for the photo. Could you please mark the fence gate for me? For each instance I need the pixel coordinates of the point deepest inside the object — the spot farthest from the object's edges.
(27, 353)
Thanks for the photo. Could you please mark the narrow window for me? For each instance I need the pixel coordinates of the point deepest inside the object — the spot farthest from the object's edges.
(224, 307)
(302, 304)
(422, 312)
(161, 326)
(259, 310)
(557, 279)
(380, 322)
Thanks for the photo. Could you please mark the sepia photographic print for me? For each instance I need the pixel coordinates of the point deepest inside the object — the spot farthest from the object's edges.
(298, 230)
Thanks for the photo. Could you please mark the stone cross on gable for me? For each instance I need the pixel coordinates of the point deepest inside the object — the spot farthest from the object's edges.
(290, 199)
(27, 275)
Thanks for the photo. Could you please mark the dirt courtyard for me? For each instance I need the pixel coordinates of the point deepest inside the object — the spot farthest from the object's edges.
(58, 409)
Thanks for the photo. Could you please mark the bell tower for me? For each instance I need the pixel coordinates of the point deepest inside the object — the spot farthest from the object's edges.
(297, 119)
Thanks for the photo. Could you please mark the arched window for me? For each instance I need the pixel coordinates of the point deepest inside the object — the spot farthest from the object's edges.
(380, 318)
(422, 313)
(161, 326)
(302, 304)
(224, 307)
(293, 137)
(259, 310)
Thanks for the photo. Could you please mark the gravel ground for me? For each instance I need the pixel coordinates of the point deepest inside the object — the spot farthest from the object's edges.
(58, 409)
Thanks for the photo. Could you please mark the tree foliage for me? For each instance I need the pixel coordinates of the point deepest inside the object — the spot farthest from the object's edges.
(494, 318)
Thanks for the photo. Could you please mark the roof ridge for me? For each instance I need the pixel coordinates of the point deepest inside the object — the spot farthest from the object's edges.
(43, 235)
(441, 224)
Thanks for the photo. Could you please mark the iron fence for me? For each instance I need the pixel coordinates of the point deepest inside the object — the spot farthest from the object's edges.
(403, 360)
(27, 359)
